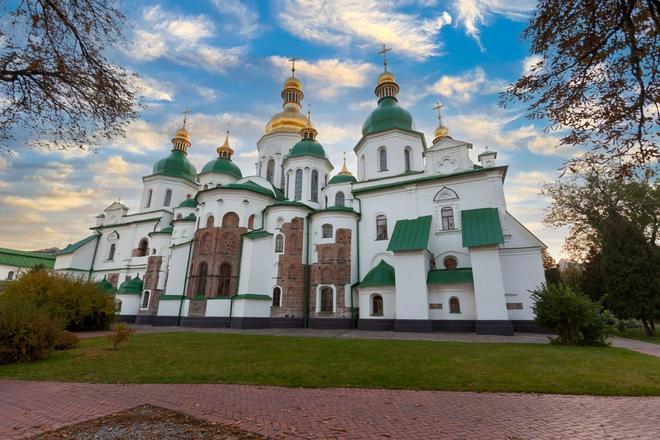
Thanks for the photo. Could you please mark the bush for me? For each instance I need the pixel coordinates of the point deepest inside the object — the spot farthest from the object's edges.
(120, 334)
(78, 304)
(26, 332)
(67, 341)
(572, 315)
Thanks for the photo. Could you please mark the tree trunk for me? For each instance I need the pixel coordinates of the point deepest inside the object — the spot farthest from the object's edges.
(649, 327)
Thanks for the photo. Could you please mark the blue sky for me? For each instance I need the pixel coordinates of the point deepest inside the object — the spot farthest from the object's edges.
(226, 61)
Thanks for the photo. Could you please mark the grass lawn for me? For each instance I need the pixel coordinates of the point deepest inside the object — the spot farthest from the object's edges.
(640, 335)
(326, 362)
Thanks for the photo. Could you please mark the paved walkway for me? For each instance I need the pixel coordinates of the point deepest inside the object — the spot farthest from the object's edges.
(28, 408)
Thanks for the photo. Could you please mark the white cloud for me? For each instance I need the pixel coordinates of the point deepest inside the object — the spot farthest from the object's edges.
(328, 77)
(529, 62)
(474, 13)
(245, 20)
(365, 22)
(207, 93)
(154, 89)
(59, 198)
(463, 87)
(547, 146)
(142, 137)
(3, 164)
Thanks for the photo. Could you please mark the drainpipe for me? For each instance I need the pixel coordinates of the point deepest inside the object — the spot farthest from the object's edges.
(96, 246)
(357, 237)
(307, 280)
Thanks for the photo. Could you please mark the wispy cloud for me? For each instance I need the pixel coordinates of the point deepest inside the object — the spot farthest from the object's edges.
(153, 89)
(463, 87)
(472, 14)
(244, 19)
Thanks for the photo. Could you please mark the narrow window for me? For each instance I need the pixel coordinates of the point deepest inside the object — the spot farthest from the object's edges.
(406, 159)
(277, 296)
(282, 180)
(326, 230)
(145, 299)
(381, 227)
(168, 198)
(454, 305)
(143, 248)
(251, 221)
(382, 159)
(279, 243)
(201, 279)
(339, 199)
(447, 215)
(111, 252)
(179, 216)
(225, 279)
(210, 221)
(230, 220)
(10, 275)
(270, 170)
(377, 305)
(298, 190)
(363, 167)
(315, 186)
(450, 263)
(327, 300)
(149, 194)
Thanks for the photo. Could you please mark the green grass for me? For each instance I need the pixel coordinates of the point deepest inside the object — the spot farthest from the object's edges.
(640, 335)
(327, 362)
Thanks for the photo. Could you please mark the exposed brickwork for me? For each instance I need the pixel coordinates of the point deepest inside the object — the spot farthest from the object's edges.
(333, 267)
(291, 270)
(219, 248)
(151, 277)
(197, 308)
(113, 278)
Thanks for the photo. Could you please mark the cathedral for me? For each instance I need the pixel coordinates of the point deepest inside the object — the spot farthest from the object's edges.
(418, 239)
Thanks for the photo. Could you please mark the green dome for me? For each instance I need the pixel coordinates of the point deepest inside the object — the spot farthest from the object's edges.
(176, 165)
(386, 116)
(223, 166)
(307, 147)
(105, 285)
(342, 178)
(188, 203)
(134, 285)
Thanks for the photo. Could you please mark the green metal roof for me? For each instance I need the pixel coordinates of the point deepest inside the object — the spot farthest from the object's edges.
(131, 287)
(222, 165)
(342, 178)
(70, 248)
(386, 116)
(250, 186)
(481, 227)
(255, 235)
(188, 203)
(106, 285)
(307, 147)
(253, 296)
(453, 276)
(166, 230)
(411, 235)
(176, 165)
(12, 257)
(381, 275)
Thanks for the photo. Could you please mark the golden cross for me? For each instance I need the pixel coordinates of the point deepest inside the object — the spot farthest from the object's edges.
(185, 113)
(384, 51)
(438, 106)
(293, 60)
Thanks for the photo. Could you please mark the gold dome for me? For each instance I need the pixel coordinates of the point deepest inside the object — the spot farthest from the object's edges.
(182, 133)
(288, 120)
(225, 150)
(386, 77)
(293, 83)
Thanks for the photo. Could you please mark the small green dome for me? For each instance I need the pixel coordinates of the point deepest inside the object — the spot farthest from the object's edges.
(223, 166)
(134, 285)
(342, 178)
(105, 285)
(307, 147)
(188, 203)
(386, 116)
(176, 165)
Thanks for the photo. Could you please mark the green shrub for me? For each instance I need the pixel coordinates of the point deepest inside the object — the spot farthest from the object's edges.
(26, 332)
(78, 304)
(120, 334)
(572, 315)
(67, 341)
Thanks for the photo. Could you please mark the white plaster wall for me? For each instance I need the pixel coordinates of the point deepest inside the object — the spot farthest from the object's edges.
(130, 304)
(253, 308)
(219, 202)
(256, 259)
(522, 271)
(5, 269)
(440, 294)
(410, 273)
(307, 164)
(170, 307)
(130, 235)
(178, 263)
(395, 141)
(81, 258)
(210, 180)
(330, 192)
(217, 307)
(274, 146)
(181, 189)
(389, 302)
(488, 283)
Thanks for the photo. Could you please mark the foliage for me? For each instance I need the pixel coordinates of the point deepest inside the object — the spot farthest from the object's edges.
(552, 275)
(119, 335)
(548, 261)
(592, 277)
(596, 77)
(55, 80)
(194, 357)
(572, 315)
(66, 341)
(639, 334)
(27, 333)
(572, 276)
(77, 304)
(631, 272)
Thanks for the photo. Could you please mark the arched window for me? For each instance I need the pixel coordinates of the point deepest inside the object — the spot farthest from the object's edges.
(270, 170)
(327, 300)
(202, 274)
(326, 231)
(230, 220)
(206, 186)
(406, 159)
(225, 279)
(450, 263)
(168, 198)
(454, 305)
(298, 189)
(10, 275)
(210, 221)
(314, 196)
(179, 216)
(339, 199)
(382, 159)
(118, 304)
(377, 305)
(279, 243)
(143, 248)
(447, 215)
(381, 227)
(251, 221)
(111, 252)
(277, 297)
(282, 180)
(146, 296)
(363, 167)
(150, 193)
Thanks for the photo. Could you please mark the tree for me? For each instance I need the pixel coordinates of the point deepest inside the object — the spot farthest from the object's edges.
(55, 80)
(631, 272)
(596, 78)
(592, 277)
(548, 261)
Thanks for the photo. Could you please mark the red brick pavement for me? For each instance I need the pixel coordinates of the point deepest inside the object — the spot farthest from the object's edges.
(28, 408)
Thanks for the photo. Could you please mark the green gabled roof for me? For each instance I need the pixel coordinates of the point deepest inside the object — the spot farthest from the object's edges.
(381, 275)
(188, 203)
(255, 235)
(105, 285)
(131, 287)
(411, 235)
(386, 116)
(481, 227)
(337, 209)
(293, 203)
(223, 165)
(176, 165)
(342, 178)
(167, 230)
(453, 276)
(250, 186)
(70, 248)
(307, 147)
(12, 257)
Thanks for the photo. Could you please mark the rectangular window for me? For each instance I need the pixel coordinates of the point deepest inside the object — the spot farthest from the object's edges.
(381, 228)
(514, 306)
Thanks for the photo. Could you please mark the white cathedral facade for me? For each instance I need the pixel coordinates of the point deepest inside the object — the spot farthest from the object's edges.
(419, 240)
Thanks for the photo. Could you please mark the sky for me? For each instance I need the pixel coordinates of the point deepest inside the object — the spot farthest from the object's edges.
(226, 61)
